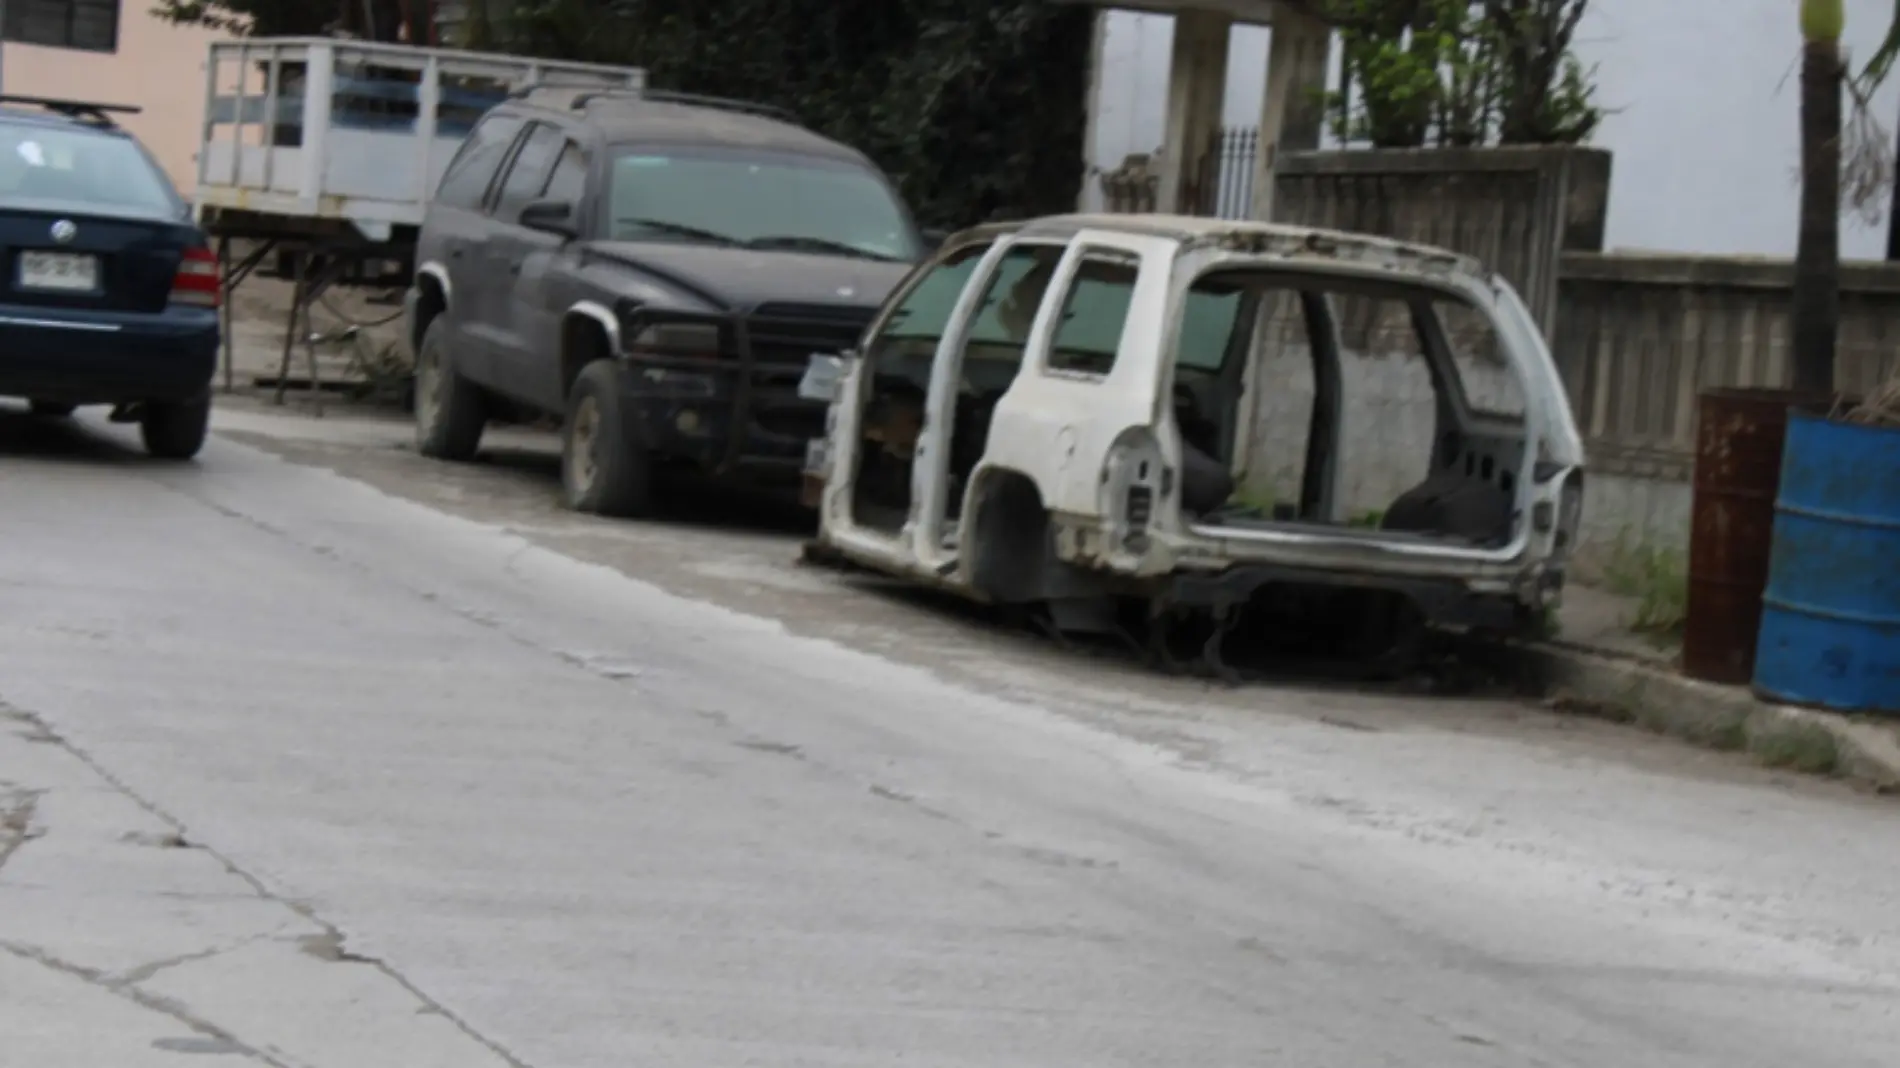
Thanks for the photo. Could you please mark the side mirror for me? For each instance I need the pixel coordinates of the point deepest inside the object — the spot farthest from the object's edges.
(550, 216)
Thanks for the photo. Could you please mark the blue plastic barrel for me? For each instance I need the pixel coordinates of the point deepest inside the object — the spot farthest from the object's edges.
(1830, 626)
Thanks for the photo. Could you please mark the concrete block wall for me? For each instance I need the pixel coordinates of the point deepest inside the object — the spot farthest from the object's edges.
(1517, 209)
(1639, 337)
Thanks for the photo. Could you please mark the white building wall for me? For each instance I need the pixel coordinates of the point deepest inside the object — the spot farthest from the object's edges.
(1704, 125)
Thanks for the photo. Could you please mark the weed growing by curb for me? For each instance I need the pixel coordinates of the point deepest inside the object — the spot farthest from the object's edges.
(1796, 746)
(1656, 577)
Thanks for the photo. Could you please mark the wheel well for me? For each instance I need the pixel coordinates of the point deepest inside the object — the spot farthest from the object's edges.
(430, 302)
(582, 342)
(1011, 547)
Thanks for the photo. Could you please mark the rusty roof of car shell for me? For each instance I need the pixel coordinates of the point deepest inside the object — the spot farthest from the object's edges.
(1243, 236)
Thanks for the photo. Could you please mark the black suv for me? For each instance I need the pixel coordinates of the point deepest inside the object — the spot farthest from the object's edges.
(654, 268)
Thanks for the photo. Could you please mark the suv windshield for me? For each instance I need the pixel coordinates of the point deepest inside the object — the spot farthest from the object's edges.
(75, 169)
(784, 202)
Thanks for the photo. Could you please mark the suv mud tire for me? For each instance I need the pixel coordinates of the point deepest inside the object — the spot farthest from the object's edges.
(604, 468)
(451, 411)
(175, 430)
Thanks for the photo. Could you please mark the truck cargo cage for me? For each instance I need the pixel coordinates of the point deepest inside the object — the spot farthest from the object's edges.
(329, 149)
(352, 131)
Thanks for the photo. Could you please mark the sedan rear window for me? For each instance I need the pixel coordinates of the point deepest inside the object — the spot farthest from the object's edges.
(78, 170)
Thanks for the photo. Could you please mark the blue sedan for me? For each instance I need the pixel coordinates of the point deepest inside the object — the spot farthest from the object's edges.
(110, 291)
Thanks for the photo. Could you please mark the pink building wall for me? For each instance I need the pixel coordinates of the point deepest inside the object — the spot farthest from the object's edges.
(158, 67)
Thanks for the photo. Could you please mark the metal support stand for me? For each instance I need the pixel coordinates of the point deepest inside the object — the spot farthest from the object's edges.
(317, 271)
(234, 276)
(321, 259)
(292, 321)
(226, 283)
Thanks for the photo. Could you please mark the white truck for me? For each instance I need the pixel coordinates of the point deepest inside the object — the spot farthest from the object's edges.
(1139, 421)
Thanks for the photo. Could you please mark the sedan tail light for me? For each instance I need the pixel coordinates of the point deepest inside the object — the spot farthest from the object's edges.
(197, 282)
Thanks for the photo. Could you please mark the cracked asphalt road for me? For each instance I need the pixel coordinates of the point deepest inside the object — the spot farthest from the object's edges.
(317, 754)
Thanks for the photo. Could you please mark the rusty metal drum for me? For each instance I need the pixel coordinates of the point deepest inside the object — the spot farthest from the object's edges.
(1739, 438)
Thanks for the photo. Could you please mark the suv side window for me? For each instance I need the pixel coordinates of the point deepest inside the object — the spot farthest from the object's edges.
(905, 343)
(1016, 289)
(924, 313)
(529, 171)
(569, 179)
(1094, 312)
(469, 173)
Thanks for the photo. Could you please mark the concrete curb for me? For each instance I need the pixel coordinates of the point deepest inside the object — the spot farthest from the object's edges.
(1719, 717)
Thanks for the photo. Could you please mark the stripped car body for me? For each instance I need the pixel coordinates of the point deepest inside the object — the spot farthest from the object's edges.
(1057, 443)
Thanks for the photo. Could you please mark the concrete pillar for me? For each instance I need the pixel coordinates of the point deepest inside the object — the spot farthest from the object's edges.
(1292, 110)
(1089, 197)
(1197, 86)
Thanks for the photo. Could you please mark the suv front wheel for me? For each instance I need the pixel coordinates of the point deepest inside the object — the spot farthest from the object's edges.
(450, 410)
(604, 470)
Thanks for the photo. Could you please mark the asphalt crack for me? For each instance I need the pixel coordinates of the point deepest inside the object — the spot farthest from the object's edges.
(616, 672)
(129, 991)
(328, 945)
(633, 679)
(145, 972)
(329, 939)
(16, 823)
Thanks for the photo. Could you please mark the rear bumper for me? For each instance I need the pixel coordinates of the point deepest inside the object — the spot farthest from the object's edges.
(107, 358)
(1443, 602)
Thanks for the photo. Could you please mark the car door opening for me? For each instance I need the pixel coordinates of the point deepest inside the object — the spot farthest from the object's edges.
(1368, 408)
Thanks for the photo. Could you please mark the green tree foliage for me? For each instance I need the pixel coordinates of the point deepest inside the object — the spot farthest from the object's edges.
(1459, 72)
(374, 19)
(265, 18)
(975, 107)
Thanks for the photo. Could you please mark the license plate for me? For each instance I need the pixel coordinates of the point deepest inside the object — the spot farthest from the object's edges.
(64, 272)
(817, 457)
(823, 374)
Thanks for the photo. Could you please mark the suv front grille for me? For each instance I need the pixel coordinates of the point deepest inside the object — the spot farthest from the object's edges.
(788, 334)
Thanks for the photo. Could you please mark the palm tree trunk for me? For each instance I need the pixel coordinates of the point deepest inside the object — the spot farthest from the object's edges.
(1893, 210)
(1817, 264)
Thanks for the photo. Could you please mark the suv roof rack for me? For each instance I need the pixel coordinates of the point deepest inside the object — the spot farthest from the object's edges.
(749, 107)
(86, 111)
(581, 96)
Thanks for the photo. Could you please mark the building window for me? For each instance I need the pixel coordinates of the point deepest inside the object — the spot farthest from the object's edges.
(88, 25)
